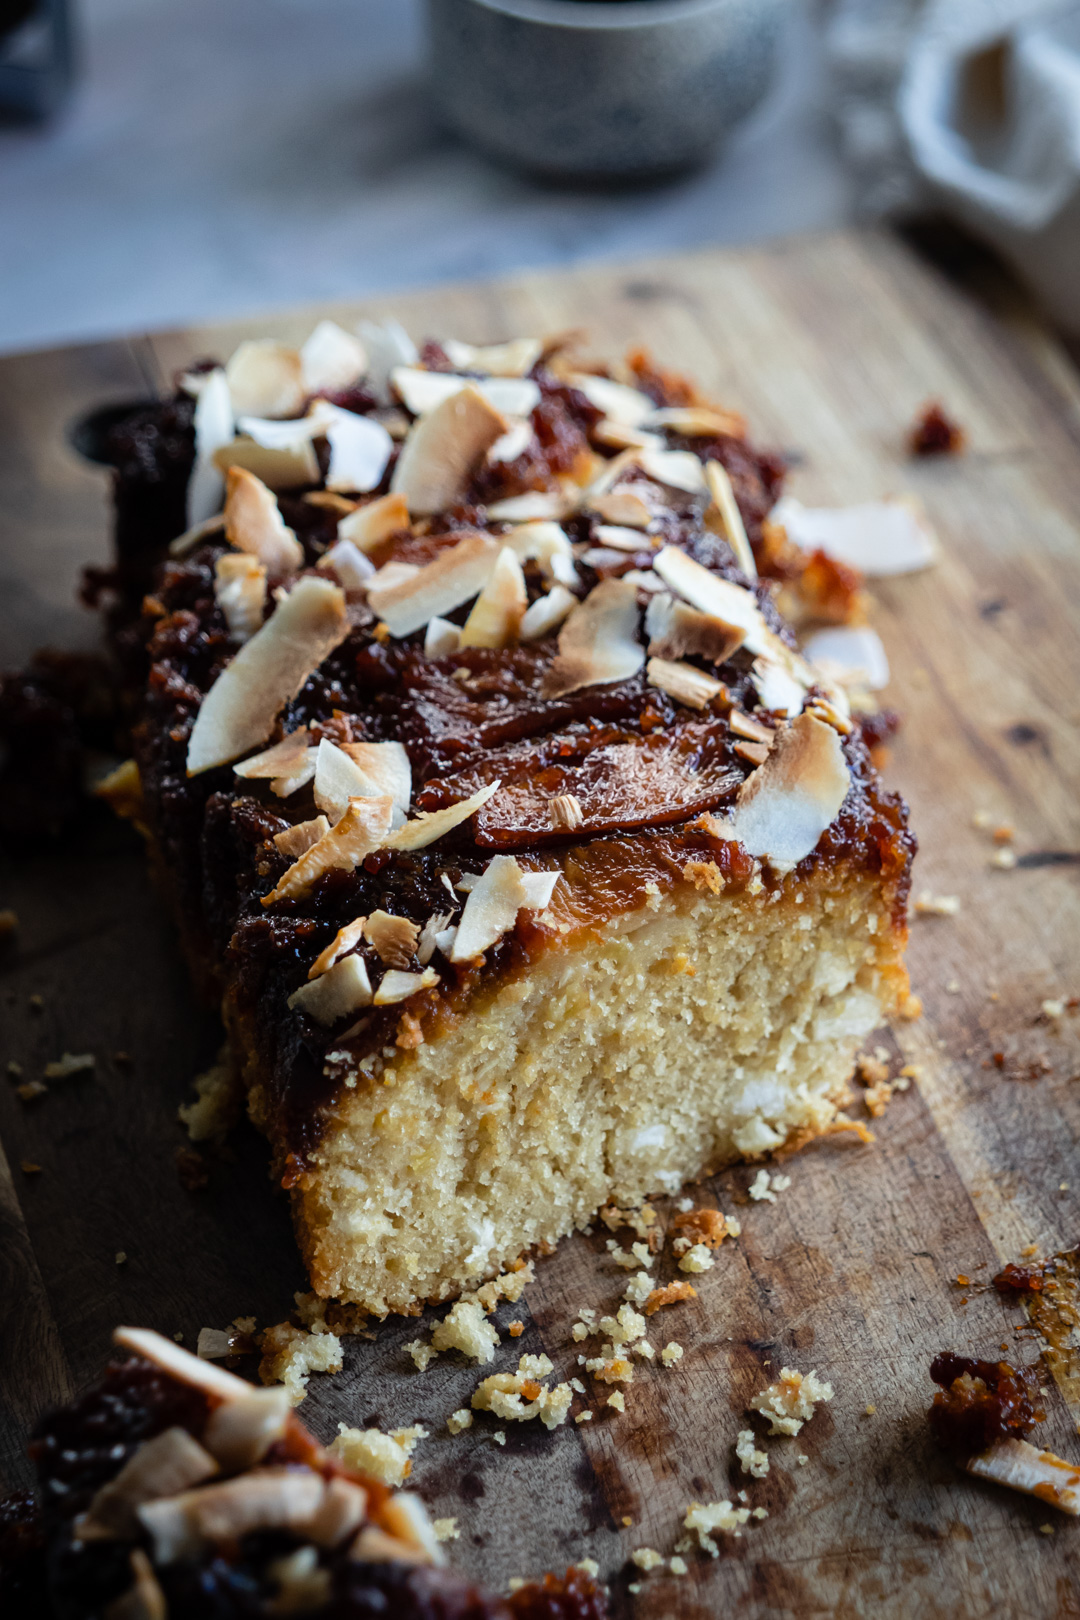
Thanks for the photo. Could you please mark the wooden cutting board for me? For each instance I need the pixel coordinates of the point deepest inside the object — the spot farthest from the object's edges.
(829, 345)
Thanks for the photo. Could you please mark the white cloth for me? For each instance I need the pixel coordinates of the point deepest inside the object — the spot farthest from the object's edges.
(973, 106)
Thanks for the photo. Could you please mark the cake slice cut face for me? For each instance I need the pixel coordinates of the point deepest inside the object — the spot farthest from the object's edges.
(533, 866)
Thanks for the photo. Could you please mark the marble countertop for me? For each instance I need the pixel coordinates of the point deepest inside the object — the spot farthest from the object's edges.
(222, 158)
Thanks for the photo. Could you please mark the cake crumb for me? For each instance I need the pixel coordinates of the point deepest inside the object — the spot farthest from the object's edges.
(637, 1292)
(459, 1420)
(706, 1226)
(936, 905)
(422, 1354)
(671, 1294)
(802, 1459)
(753, 1461)
(121, 1258)
(759, 1513)
(790, 1402)
(499, 1437)
(697, 1259)
(589, 1566)
(31, 1089)
(707, 1517)
(677, 1565)
(29, 1168)
(515, 1329)
(610, 1367)
(671, 1353)
(384, 1456)
(624, 1328)
(446, 1529)
(684, 1205)
(1053, 1009)
(467, 1329)
(72, 1063)
(217, 1102)
(870, 1409)
(291, 1354)
(617, 1399)
(639, 1255)
(1003, 859)
(646, 1558)
(521, 1396)
(583, 1417)
(759, 1188)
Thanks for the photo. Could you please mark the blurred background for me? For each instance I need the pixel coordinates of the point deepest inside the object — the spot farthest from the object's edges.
(167, 161)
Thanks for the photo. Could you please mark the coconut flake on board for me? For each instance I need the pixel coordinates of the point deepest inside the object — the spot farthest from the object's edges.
(331, 359)
(494, 902)
(375, 521)
(515, 358)
(253, 523)
(876, 537)
(598, 644)
(784, 806)
(241, 707)
(442, 585)
(850, 653)
(424, 391)
(438, 457)
(240, 592)
(214, 429)
(1022, 1467)
(266, 378)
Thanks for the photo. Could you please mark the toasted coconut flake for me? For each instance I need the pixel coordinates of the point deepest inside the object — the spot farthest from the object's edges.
(777, 689)
(598, 644)
(288, 765)
(428, 942)
(679, 469)
(349, 564)
(785, 805)
(240, 591)
(337, 993)
(394, 938)
(565, 811)
(361, 830)
(424, 391)
(359, 450)
(719, 597)
(331, 359)
(549, 545)
(1022, 1467)
(698, 421)
(625, 508)
(677, 631)
(851, 653)
(609, 473)
(514, 442)
(539, 888)
(291, 434)
(266, 379)
(181, 1364)
(172, 1461)
(405, 1516)
(386, 767)
(144, 1599)
(374, 1546)
(442, 449)
(536, 506)
(877, 538)
(499, 609)
(393, 573)
(621, 436)
(197, 533)
(444, 584)
(369, 525)
(684, 683)
(644, 579)
(726, 509)
(397, 986)
(546, 614)
(618, 402)
(755, 753)
(622, 539)
(441, 638)
(491, 909)
(344, 940)
(241, 1432)
(340, 1513)
(513, 359)
(240, 708)
(287, 468)
(744, 725)
(254, 524)
(296, 841)
(388, 345)
(213, 431)
(432, 825)
(338, 779)
(261, 1499)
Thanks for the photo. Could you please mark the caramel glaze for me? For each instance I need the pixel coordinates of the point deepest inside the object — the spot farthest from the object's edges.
(642, 767)
(980, 1402)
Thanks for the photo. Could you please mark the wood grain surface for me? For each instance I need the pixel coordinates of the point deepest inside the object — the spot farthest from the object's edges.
(829, 345)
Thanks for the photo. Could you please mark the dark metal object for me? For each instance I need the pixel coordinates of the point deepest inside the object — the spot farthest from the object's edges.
(37, 57)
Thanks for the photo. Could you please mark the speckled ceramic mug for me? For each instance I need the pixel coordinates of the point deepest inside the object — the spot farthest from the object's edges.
(601, 89)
